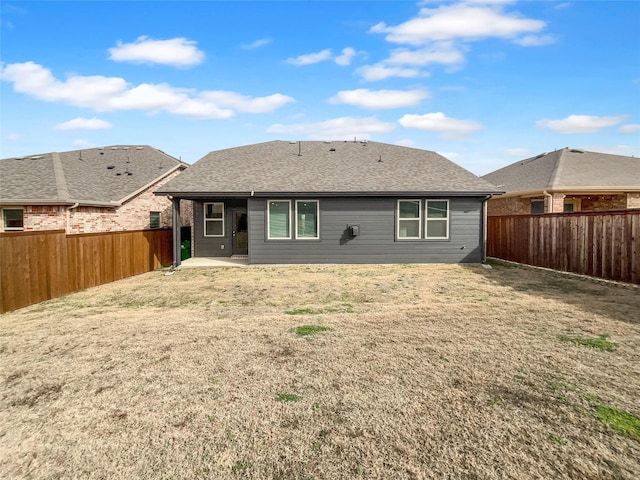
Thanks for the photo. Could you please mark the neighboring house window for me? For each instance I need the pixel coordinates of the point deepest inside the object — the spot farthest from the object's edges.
(12, 219)
(572, 205)
(307, 219)
(279, 219)
(409, 219)
(437, 219)
(537, 207)
(154, 219)
(214, 219)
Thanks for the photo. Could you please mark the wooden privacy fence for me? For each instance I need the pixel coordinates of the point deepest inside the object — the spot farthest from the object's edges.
(600, 244)
(38, 266)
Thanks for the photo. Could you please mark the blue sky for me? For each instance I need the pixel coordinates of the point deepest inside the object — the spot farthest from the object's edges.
(483, 82)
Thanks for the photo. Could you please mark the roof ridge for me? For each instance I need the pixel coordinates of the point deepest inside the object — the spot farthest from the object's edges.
(61, 181)
(555, 174)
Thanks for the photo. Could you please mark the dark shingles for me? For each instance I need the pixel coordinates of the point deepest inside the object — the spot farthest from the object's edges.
(325, 167)
(87, 176)
(568, 168)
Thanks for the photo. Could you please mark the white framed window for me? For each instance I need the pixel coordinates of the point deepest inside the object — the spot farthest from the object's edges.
(214, 219)
(12, 219)
(437, 219)
(409, 219)
(307, 219)
(279, 219)
(154, 219)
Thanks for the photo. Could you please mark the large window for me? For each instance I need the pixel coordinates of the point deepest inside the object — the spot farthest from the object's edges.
(307, 219)
(437, 219)
(279, 219)
(214, 219)
(12, 219)
(409, 219)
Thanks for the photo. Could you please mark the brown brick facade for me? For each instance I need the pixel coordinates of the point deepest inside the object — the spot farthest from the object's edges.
(581, 203)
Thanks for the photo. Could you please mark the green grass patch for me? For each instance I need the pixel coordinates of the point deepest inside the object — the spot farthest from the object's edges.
(303, 311)
(557, 439)
(342, 308)
(601, 342)
(621, 421)
(240, 467)
(288, 397)
(306, 330)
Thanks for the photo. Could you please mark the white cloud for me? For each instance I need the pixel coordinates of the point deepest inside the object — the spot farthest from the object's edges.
(344, 128)
(176, 52)
(535, 40)
(459, 21)
(83, 124)
(257, 44)
(518, 152)
(580, 123)
(14, 137)
(38, 82)
(630, 128)
(448, 128)
(378, 99)
(113, 93)
(244, 103)
(310, 58)
(442, 53)
(441, 35)
(380, 71)
(346, 57)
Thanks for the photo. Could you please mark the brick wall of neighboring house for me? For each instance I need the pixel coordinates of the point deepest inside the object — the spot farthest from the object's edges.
(591, 203)
(509, 206)
(133, 215)
(43, 217)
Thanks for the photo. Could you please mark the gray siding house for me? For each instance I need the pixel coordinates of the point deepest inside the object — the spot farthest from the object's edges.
(333, 202)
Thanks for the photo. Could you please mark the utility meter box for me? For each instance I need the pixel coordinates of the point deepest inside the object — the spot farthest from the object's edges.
(353, 230)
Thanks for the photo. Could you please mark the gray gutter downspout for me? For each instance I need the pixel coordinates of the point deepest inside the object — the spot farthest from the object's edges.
(175, 226)
(483, 228)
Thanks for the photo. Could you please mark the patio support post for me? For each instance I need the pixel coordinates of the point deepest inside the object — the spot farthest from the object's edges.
(175, 220)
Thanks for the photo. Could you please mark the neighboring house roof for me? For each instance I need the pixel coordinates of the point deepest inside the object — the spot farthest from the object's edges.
(324, 168)
(105, 176)
(569, 170)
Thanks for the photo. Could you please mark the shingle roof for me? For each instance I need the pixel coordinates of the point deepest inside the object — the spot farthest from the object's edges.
(567, 169)
(94, 176)
(316, 167)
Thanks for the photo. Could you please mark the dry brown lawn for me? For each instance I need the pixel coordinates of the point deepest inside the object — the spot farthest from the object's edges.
(435, 371)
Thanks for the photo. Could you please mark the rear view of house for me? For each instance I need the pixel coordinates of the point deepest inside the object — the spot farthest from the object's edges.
(93, 190)
(333, 202)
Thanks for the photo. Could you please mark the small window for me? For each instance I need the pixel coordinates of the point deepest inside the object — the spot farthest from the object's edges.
(437, 219)
(307, 219)
(537, 207)
(12, 219)
(409, 219)
(214, 219)
(154, 219)
(279, 219)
